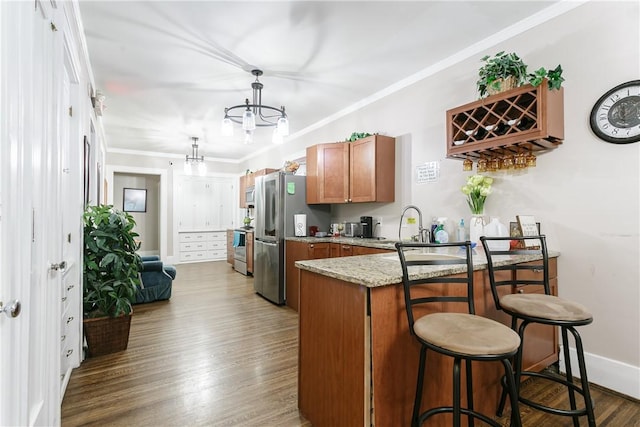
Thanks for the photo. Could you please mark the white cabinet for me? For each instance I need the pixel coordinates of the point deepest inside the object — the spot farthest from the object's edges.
(204, 203)
(202, 246)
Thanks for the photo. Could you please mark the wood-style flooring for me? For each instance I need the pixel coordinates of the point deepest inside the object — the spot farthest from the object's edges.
(217, 354)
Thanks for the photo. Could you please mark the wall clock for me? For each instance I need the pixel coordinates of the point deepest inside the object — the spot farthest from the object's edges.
(615, 117)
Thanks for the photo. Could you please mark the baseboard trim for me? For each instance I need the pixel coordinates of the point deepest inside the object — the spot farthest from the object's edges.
(608, 373)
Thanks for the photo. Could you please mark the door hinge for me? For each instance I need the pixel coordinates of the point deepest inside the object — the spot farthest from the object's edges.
(71, 111)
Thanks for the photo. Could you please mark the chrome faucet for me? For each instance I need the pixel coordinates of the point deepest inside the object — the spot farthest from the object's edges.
(423, 233)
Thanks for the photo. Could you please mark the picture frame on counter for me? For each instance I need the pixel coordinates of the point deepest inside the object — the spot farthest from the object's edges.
(532, 228)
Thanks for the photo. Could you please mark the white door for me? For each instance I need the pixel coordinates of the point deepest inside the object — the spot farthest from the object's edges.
(29, 214)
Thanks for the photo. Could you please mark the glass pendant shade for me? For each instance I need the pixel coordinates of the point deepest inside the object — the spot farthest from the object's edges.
(187, 167)
(227, 127)
(248, 120)
(283, 126)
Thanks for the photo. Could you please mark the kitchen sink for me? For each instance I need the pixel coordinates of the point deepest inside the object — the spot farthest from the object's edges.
(422, 256)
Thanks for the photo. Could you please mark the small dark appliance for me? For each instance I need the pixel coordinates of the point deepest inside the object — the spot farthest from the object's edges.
(366, 223)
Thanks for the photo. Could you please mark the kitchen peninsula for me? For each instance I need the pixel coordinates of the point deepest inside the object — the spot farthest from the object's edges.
(357, 360)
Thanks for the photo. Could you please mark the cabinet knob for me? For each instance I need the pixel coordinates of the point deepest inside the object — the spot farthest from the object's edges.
(521, 291)
(311, 246)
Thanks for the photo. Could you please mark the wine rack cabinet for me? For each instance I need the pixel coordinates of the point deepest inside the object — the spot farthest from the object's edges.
(524, 119)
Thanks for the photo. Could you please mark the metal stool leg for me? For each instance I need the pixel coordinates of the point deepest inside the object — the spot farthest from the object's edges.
(510, 386)
(569, 375)
(418, 398)
(591, 419)
(470, 392)
(456, 392)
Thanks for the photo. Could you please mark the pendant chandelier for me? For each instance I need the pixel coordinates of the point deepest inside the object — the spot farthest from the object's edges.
(194, 160)
(254, 114)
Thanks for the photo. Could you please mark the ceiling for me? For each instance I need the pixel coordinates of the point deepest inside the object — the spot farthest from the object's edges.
(168, 69)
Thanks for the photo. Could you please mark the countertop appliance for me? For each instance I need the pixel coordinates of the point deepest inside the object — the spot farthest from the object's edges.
(366, 224)
(351, 229)
(279, 197)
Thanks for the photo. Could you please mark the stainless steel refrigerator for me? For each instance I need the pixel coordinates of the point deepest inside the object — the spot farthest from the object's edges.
(278, 198)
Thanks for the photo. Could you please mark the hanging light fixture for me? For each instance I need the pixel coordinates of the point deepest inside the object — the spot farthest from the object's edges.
(194, 159)
(252, 115)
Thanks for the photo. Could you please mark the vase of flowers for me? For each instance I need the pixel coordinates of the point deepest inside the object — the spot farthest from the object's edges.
(477, 188)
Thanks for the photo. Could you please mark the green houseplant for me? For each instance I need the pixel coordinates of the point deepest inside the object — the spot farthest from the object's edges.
(504, 71)
(110, 277)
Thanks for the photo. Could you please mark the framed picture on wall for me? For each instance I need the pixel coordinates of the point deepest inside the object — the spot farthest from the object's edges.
(134, 200)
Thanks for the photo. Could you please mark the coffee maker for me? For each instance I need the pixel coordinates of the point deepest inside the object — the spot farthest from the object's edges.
(366, 225)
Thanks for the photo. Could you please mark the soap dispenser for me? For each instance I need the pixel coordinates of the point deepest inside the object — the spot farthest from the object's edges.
(461, 233)
(441, 234)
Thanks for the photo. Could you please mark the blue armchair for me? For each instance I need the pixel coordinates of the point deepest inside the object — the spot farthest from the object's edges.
(156, 280)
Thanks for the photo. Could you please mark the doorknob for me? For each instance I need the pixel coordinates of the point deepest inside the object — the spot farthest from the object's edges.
(12, 309)
(59, 266)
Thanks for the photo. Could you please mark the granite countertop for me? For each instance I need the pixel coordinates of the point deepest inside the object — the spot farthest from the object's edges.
(381, 243)
(384, 269)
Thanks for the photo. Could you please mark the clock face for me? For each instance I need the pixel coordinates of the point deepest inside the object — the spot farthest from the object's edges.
(615, 117)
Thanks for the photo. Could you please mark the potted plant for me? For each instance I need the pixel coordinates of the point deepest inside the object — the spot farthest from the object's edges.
(504, 71)
(110, 278)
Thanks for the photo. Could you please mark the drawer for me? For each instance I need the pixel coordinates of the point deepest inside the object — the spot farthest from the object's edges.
(193, 246)
(218, 236)
(219, 254)
(193, 256)
(217, 245)
(537, 274)
(193, 237)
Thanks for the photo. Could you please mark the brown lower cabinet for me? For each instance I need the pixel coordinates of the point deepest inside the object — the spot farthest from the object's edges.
(249, 243)
(230, 247)
(299, 251)
(358, 361)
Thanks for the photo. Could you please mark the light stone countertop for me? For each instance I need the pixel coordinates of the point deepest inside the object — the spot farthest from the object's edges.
(384, 269)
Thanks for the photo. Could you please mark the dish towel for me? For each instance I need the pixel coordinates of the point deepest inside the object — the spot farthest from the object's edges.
(238, 239)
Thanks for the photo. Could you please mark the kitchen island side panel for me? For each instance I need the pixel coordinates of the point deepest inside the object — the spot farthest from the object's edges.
(333, 355)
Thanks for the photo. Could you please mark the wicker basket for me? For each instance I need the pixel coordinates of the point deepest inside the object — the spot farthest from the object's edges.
(106, 335)
(503, 84)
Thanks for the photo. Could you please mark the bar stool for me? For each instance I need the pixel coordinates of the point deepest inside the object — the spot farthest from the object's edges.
(463, 336)
(546, 309)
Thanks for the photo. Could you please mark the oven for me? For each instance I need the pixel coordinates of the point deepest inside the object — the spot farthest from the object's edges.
(240, 251)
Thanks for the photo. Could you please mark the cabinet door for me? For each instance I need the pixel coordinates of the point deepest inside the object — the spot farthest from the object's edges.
(372, 169)
(335, 250)
(319, 250)
(346, 250)
(294, 251)
(242, 196)
(249, 244)
(230, 247)
(333, 173)
(221, 192)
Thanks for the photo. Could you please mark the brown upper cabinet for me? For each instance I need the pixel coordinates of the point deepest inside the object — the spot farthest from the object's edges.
(524, 119)
(352, 172)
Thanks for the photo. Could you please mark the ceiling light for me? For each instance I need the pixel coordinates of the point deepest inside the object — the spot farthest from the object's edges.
(252, 115)
(194, 160)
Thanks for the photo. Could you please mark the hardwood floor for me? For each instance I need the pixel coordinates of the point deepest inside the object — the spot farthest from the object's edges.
(217, 354)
